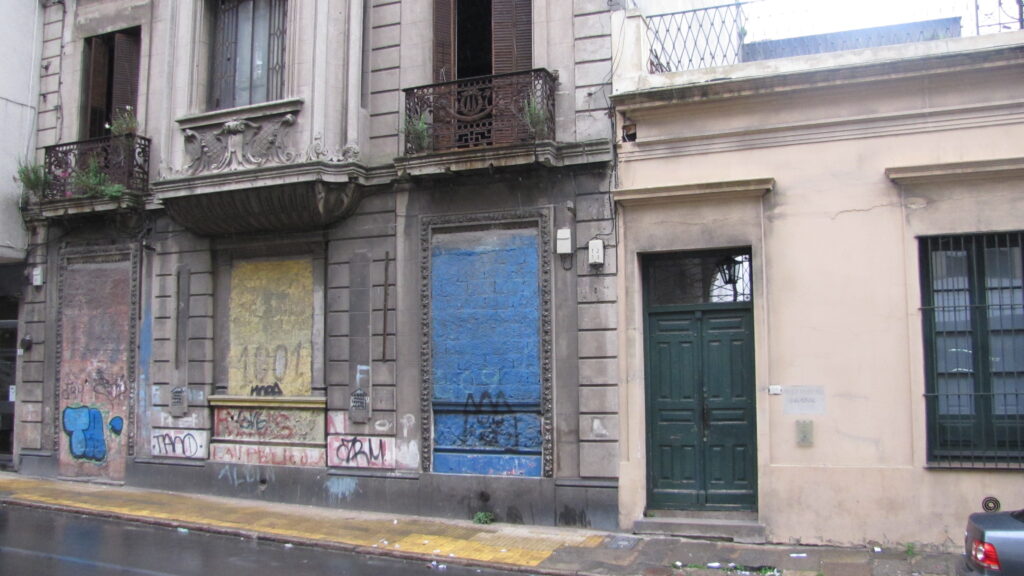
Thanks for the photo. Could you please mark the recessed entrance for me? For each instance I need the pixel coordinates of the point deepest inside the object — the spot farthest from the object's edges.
(699, 350)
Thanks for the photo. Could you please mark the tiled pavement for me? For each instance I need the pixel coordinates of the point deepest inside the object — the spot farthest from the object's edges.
(529, 549)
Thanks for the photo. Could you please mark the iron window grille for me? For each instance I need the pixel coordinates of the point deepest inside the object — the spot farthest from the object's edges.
(248, 51)
(973, 315)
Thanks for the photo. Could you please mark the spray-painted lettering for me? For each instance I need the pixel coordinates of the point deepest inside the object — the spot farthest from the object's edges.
(361, 451)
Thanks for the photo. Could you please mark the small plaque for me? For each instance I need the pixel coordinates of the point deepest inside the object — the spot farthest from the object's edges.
(803, 400)
(179, 402)
(359, 406)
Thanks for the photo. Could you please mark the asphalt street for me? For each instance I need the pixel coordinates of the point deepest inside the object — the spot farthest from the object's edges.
(36, 542)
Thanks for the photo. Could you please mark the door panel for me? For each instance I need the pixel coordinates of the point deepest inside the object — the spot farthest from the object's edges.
(701, 427)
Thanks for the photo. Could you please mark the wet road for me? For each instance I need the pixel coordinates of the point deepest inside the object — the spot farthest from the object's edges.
(37, 542)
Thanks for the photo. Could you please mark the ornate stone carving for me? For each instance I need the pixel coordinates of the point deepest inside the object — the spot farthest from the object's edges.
(238, 144)
(541, 218)
(317, 152)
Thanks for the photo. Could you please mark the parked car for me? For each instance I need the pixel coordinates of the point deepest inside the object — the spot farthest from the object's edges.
(994, 544)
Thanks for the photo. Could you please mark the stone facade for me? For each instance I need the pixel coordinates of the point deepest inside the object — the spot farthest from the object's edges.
(295, 313)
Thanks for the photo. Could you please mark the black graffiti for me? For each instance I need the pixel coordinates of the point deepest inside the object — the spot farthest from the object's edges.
(171, 445)
(489, 421)
(266, 390)
(361, 451)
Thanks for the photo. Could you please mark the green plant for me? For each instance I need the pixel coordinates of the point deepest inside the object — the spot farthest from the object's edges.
(123, 122)
(910, 549)
(536, 117)
(93, 182)
(483, 518)
(417, 132)
(33, 177)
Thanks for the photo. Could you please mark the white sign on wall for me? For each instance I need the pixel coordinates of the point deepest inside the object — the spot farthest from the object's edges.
(803, 400)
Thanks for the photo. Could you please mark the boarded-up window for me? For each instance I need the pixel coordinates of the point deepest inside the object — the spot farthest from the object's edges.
(111, 79)
(271, 327)
(486, 340)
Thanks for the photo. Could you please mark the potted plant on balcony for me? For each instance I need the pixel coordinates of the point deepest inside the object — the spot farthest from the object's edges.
(92, 182)
(418, 133)
(34, 180)
(536, 118)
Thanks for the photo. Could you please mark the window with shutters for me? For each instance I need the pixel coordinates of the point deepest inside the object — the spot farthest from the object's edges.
(486, 92)
(481, 37)
(111, 79)
(973, 311)
(248, 51)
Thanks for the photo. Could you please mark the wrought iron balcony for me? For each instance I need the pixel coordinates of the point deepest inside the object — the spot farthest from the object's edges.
(754, 30)
(498, 110)
(107, 168)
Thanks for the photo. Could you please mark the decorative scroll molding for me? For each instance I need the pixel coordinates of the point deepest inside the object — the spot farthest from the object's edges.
(541, 218)
(239, 144)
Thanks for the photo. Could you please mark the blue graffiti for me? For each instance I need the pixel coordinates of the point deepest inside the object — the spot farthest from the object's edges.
(84, 427)
(116, 425)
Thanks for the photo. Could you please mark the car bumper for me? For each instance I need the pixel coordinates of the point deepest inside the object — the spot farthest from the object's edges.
(965, 568)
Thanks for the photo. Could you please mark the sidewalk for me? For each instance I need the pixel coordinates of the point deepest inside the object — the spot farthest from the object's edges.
(528, 549)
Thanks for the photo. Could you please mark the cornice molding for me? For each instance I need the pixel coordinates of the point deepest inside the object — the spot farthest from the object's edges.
(998, 169)
(754, 188)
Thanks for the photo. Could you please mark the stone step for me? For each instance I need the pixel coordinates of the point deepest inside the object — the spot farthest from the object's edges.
(733, 529)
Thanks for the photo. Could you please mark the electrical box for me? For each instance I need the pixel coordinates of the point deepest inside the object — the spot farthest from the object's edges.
(595, 252)
(563, 241)
(38, 276)
(805, 433)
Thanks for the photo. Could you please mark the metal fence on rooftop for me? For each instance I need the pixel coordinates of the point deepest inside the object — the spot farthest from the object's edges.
(765, 29)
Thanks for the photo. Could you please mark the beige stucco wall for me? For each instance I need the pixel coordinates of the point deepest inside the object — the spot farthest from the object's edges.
(836, 290)
(20, 32)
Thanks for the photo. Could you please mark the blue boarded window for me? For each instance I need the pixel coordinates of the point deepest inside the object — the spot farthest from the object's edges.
(485, 332)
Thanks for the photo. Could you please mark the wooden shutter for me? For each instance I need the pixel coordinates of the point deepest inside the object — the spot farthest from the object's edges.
(444, 40)
(125, 85)
(94, 111)
(512, 33)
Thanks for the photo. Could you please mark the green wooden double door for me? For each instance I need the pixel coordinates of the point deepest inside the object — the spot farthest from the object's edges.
(701, 429)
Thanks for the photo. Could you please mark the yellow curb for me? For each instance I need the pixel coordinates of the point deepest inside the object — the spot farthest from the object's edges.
(510, 545)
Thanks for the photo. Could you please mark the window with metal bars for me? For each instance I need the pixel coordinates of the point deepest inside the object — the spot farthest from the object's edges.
(247, 56)
(973, 313)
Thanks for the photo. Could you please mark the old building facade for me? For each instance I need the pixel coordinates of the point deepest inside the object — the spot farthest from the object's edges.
(328, 252)
(819, 272)
(555, 261)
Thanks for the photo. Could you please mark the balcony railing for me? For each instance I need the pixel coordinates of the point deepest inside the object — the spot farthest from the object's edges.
(765, 29)
(107, 168)
(513, 108)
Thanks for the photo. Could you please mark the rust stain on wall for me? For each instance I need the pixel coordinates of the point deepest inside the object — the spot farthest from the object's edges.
(271, 324)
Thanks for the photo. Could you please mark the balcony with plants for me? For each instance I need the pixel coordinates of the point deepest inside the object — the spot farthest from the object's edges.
(109, 172)
(484, 119)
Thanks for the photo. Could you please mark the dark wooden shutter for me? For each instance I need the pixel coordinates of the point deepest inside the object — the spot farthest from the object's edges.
(444, 40)
(95, 87)
(125, 85)
(512, 33)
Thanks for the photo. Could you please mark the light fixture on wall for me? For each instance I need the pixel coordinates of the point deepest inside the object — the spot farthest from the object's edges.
(728, 269)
